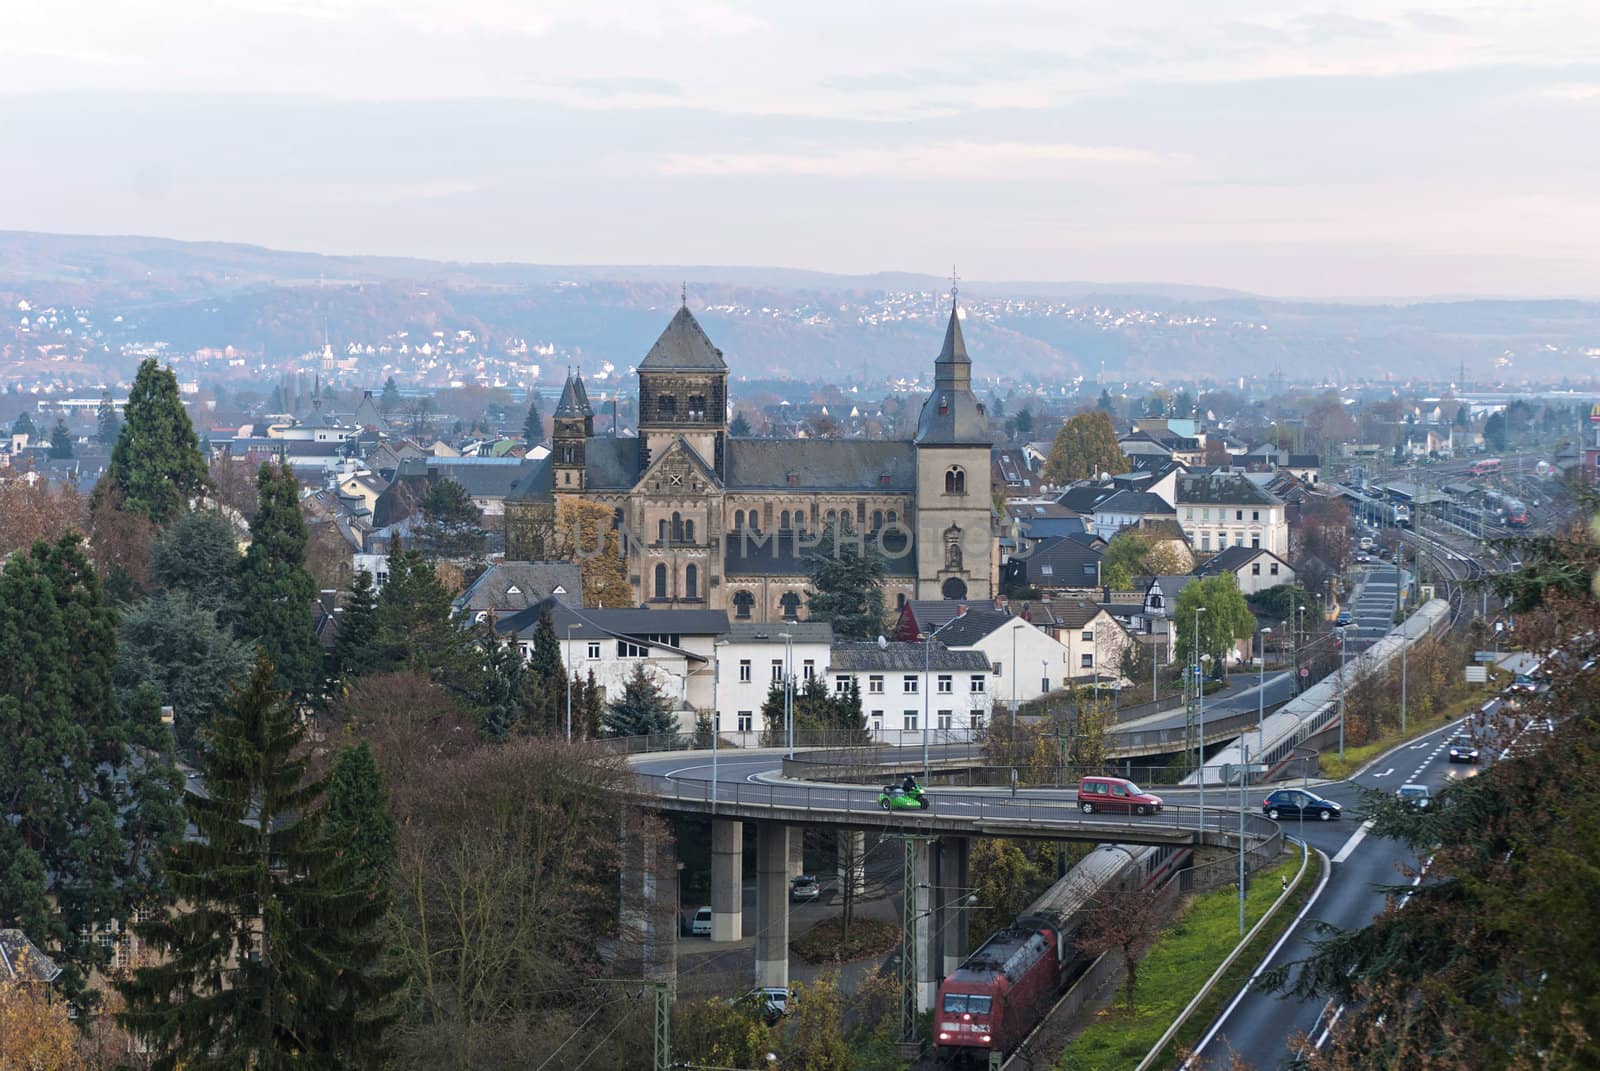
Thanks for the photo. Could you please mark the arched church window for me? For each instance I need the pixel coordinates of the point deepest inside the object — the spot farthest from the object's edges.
(894, 517)
(688, 531)
(691, 581)
(877, 519)
(738, 519)
(790, 604)
(954, 588)
(955, 480)
(743, 603)
(661, 581)
(661, 530)
(783, 520)
(666, 407)
(697, 407)
(677, 528)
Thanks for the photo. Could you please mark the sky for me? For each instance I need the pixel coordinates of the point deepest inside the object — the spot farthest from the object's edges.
(1283, 147)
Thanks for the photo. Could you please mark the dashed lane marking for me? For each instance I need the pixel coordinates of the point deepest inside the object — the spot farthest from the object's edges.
(1355, 840)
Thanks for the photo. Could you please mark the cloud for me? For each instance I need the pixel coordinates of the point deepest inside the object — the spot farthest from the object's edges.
(1573, 91)
(946, 160)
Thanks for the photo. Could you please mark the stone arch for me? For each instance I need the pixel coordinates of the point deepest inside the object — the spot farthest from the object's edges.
(954, 588)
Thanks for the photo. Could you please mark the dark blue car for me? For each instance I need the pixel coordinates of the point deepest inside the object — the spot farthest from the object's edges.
(1297, 802)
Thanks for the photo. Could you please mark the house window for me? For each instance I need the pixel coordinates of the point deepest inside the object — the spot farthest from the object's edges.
(1087, 636)
(744, 671)
(808, 669)
(946, 684)
(1273, 568)
(1255, 515)
(1047, 569)
(877, 721)
(841, 683)
(691, 581)
(909, 720)
(1255, 541)
(661, 581)
(1086, 660)
(875, 684)
(1238, 514)
(777, 669)
(1205, 540)
(1255, 568)
(909, 686)
(977, 722)
(1222, 540)
(626, 649)
(746, 721)
(790, 605)
(594, 652)
(946, 717)
(979, 684)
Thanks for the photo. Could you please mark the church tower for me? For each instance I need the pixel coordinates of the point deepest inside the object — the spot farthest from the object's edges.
(953, 500)
(571, 429)
(683, 393)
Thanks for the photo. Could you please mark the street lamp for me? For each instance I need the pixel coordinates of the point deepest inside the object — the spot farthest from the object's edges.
(927, 667)
(1200, 683)
(716, 716)
(570, 627)
(1341, 642)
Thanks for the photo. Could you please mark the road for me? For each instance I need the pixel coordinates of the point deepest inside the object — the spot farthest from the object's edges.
(1258, 1026)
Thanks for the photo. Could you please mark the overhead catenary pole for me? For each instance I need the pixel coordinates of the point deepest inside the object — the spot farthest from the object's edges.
(1244, 776)
(1200, 708)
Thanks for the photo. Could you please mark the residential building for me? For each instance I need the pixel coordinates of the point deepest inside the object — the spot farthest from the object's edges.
(506, 588)
(753, 657)
(1222, 510)
(1256, 569)
(909, 690)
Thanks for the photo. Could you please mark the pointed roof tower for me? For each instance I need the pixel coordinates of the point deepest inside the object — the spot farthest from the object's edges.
(574, 401)
(952, 414)
(683, 347)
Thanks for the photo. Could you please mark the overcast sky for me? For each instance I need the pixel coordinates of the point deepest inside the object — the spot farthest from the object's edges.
(1279, 146)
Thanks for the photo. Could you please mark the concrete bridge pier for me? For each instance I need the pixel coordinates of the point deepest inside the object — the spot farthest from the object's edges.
(797, 852)
(727, 880)
(923, 890)
(772, 904)
(955, 886)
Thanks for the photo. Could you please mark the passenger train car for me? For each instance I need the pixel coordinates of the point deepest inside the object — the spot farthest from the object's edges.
(1000, 992)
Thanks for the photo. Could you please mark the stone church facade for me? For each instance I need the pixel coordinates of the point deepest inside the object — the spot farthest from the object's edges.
(714, 522)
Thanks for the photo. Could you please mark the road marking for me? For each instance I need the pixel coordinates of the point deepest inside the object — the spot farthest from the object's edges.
(1355, 839)
(1419, 747)
(1385, 773)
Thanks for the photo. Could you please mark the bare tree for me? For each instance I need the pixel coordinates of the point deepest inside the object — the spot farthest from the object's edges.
(1123, 921)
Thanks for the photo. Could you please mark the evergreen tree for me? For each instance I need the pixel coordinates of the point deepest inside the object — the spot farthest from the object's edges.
(23, 425)
(80, 817)
(416, 629)
(177, 647)
(353, 653)
(273, 963)
(1105, 404)
(533, 424)
(108, 424)
(1025, 422)
(508, 696)
(389, 400)
(740, 427)
(1085, 446)
(588, 707)
(60, 440)
(275, 590)
(549, 673)
(450, 527)
(275, 402)
(847, 588)
(642, 710)
(156, 462)
(198, 554)
(359, 820)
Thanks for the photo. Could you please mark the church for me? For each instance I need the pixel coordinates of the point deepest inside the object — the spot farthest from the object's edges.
(721, 523)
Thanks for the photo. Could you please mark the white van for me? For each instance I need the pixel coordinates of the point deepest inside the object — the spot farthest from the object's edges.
(701, 926)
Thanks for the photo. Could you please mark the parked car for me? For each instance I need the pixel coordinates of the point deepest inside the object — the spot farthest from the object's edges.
(805, 888)
(773, 1001)
(700, 926)
(1463, 749)
(1297, 802)
(1414, 796)
(1113, 794)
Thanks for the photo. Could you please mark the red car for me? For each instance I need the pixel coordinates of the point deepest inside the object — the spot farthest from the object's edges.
(1113, 794)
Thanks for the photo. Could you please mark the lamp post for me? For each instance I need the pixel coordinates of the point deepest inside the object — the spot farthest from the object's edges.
(716, 716)
(1244, 775)
(1200, 709)
(570, 627)
(788, 688)
(1341, 634)
(1261, 692)
(1404, 647)
(927, 667)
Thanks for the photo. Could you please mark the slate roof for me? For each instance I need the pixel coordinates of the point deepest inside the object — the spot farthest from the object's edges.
(482, 477)
(969, 628)
(17, 952)
(574, 399)
(799, 632)
(904, 657)
(1083, 497)
(624, 622)
(1141, 503)
(747, 553)
(683, 347)
(952, 414)
(1076, 613)
(1225, 490)
(821, 464)
(1062, 562)
(1232, 560)
(534, 581)
(610, 463)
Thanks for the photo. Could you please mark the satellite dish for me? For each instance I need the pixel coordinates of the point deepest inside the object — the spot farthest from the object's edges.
(883, 641)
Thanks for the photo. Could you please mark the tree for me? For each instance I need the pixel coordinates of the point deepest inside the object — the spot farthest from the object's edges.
(35, 1032)
(1085, 446)
(359, 820)
(389, 400)
(1183, 404)
(273, 962)
(846, 587)
(450, 527)
(642, 711)
(533, 424)
(198, 554)
(175, 646)
(1024, 419)
(156, 462)
(60, 440)
(121, 542)
(275, 591)
(1217, 453)
(815, 1041)
(87, 796)
(1125, 921)
(107, 423)
(586, 534)
(31, 510)
(1226, 618)
(24, 425)
(740, 427)
(817, 714)
(416, 626)
(1494, 432)
(1124, 559)
(233, 486)
(353, 652)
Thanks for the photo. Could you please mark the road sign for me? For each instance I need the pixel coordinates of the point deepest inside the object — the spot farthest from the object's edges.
(1304, 672)
(1477, 674)
(1483, 656)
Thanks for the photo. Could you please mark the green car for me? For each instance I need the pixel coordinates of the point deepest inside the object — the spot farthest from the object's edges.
(898, 798)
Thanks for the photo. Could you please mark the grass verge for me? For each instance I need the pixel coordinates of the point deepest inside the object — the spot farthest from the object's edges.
(1237, 975)
(868, 937)
(1332, 767)
(1170, 974)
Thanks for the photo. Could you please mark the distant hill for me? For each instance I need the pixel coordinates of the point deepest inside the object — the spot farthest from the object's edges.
(127, 291)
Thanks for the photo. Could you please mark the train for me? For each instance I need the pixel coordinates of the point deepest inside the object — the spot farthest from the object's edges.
(1489, 466)
(1513, 511)
(999, 993)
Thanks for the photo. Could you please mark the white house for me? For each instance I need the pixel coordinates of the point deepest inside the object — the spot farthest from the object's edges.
(908, 686)
(752, 658)
(1222, 510)
(1256, 569)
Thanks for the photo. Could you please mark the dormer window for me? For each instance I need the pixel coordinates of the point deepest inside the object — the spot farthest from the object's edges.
(944, 405)
(794, 479)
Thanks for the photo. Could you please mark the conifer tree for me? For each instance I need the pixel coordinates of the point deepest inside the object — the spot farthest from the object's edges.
(847, 588)
(416, 629)
(275, 589)
(389, 400)
(108, 425)
(740, 427)
(156, 462)
(198, 554)
(533, 425)
(272, 966)
(358, 818)
(642, 710)
(23, 425)
(508, 696)
(60, 440)
(353, 653)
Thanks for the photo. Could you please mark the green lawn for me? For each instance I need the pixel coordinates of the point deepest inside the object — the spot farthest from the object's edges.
(1332, 767)
(1174, 969)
